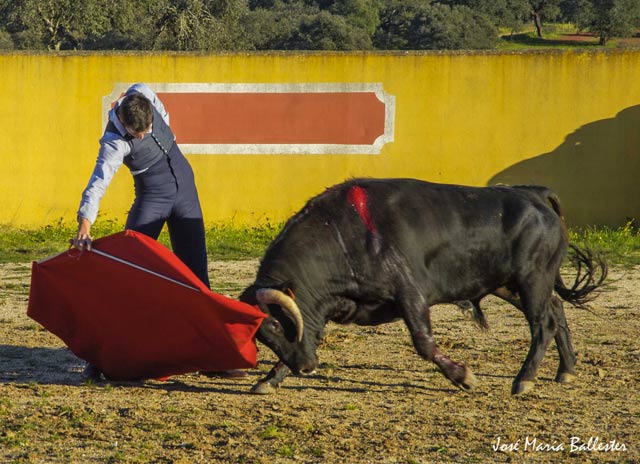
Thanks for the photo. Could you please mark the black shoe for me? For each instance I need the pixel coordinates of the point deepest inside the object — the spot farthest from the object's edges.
(91, 373)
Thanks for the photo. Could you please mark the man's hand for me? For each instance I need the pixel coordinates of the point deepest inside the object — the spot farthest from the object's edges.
(82, 240)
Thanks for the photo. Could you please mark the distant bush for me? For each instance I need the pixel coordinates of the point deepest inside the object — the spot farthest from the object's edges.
(406, 25)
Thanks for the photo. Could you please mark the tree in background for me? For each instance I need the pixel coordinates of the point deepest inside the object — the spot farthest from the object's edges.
(130, 26)
(326, 31)
(607, 18)
(310, 25)
(514, 13)
(53, 24)
(363, 14)
(6, 42)
(121, 24)
(197, 24)
(212, 25)
(415, 24)
(511, 14)
(547, 10)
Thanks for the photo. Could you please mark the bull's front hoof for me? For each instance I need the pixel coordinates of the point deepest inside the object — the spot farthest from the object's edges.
(521, 387)
(470, 381)
(565, 377)
(263, 388)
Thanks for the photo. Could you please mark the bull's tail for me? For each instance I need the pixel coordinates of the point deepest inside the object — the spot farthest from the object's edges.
(591, 271)
(554, 201)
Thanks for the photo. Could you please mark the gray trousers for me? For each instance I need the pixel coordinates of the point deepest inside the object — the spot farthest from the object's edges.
(166, 193)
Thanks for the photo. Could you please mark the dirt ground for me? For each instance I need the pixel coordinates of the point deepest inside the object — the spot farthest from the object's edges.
(374, 400)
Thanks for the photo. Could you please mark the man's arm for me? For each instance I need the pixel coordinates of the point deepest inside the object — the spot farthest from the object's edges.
(113, 149)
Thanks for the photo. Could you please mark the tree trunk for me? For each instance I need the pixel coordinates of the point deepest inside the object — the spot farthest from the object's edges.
(536, 21)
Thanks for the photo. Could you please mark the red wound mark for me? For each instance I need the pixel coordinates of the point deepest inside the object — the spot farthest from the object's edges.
(359, 199)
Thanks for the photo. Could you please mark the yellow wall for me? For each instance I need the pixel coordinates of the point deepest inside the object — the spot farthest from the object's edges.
(567, 119)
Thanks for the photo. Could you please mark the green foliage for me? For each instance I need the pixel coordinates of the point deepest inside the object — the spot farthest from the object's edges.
(271, 432)
(611, 18)
(549, 10)
(128, 28)
(325, 31)
(620, 246)
(362, 14)
(108, 24)
(287, 451)
(198, 25)
(306, 26)
(55, 24)
(510, 14)
(6, 43)
(412, 24)
(214, 25)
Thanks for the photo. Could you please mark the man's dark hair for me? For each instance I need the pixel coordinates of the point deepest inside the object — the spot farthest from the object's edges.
(135, 111)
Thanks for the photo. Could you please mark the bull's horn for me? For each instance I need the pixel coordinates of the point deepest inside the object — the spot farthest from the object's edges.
(273, 296)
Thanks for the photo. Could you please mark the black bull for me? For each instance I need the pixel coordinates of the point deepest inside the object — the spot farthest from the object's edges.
(371, 251)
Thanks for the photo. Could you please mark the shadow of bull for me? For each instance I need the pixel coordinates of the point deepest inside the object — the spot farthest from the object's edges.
(595, 171)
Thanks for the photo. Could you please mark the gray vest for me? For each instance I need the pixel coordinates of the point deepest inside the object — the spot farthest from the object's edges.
(147, 151)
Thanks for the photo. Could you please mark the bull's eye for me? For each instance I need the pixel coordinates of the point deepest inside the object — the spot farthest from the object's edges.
(275, 324)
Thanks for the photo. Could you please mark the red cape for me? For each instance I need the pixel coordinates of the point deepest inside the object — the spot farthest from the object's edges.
(135, 311)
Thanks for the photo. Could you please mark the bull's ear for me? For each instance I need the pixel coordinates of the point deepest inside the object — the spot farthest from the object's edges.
(290, 292)
(289, 289)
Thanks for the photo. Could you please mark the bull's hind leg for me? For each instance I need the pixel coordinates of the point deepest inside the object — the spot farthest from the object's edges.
(418, 320)
(537, 307)
(566, 369)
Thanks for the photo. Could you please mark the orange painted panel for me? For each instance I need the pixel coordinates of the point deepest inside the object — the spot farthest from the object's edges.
(345, 118)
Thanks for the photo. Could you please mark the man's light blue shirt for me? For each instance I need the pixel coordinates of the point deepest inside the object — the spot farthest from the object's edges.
(113, 148)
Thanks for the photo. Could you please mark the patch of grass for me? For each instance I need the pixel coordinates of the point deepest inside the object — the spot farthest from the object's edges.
(438, 449)
(225, 288)
(11, 439)
(24, 245)
(555, 35)
(224, 241)
(271, 432)
(620, 246)
(16, 289)
(118, 456)
(6, 407)
(230, 242)
(529, 40)
(171, 437)
(286, 451)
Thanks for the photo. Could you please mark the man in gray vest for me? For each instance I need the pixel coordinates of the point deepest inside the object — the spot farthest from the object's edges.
(138, 135)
